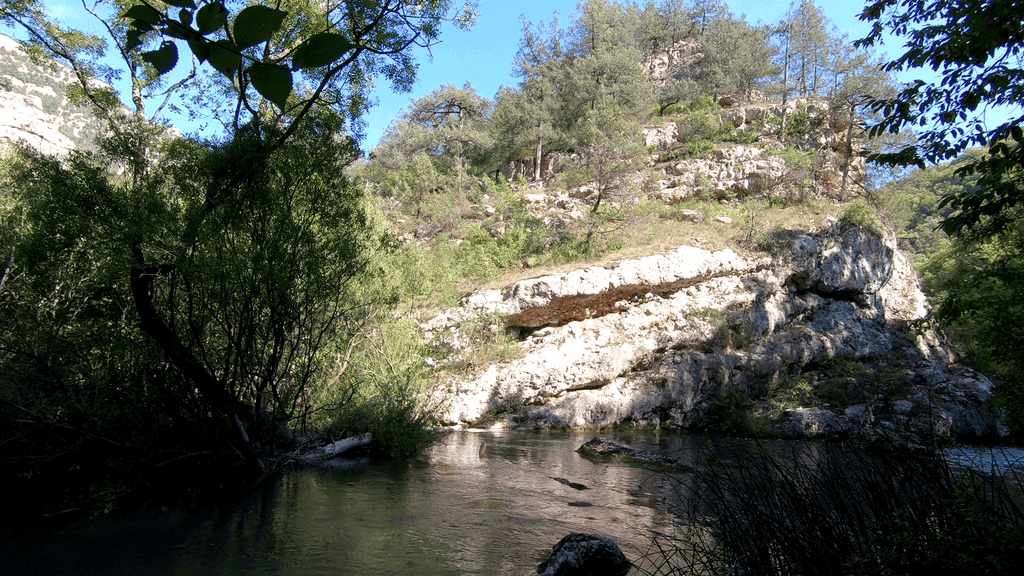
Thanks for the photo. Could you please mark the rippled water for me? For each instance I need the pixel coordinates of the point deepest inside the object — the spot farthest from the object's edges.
(478, 503)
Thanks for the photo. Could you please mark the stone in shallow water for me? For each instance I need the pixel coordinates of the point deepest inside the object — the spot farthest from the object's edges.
(585, 555)
(573, 485)
(607, 448)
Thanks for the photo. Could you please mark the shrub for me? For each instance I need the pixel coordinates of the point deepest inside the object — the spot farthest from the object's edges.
(859, 214)
(733, 414)
(798, 123)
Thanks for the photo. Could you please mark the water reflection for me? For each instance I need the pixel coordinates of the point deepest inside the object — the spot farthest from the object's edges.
(477, 503)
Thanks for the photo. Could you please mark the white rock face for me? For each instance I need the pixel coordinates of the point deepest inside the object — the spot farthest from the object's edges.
(34, 108)
(738, 322)
(744, 170)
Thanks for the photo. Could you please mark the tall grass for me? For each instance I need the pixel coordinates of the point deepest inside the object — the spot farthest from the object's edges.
(841, 509)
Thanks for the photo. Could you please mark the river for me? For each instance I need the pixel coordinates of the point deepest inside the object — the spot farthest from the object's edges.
(476, 503)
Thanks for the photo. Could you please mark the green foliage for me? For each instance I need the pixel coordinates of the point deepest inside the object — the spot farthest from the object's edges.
(775, 241)
(912, 204)
(80, 384)
(800, 160)
(798, 124)
(861, 215)
(974, 46)
(475, 343)
(738, 136)
(734, 413)
(842, 381)
(252, 53)
(978, 286)
(381, 392)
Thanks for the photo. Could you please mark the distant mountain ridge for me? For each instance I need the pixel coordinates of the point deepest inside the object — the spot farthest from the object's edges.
(35, 108)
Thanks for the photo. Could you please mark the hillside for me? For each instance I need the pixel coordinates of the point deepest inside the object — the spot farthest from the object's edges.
(717, 268)
(734, 306)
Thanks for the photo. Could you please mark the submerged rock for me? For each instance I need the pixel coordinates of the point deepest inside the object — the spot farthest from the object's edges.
(585, 555)
(607, 448)
(573, 485)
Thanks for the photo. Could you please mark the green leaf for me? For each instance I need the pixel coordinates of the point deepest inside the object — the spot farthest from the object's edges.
(224, 57)
(181, 3)
(257, 24)
(200, 47)
(211, 17)
(133, 39)
(176, 30)
(320, 50)
(163, 58)
(185, 17)
(273, 82)
(142, 13)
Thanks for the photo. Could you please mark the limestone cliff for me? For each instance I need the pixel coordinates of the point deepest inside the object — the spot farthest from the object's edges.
(826, 336)
(35, 108)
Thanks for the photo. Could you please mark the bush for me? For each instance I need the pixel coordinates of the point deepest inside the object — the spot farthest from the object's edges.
(733, 414)
(859, 214)
(798, 123)
(381, 391)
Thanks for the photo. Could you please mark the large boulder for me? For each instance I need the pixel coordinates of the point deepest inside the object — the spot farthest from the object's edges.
(585, 555)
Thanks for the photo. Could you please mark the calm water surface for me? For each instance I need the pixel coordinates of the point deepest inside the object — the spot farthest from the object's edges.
(477, 503)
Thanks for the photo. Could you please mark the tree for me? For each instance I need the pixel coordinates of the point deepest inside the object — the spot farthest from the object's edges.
(606, 98)
(539, 64)
(242, 262)
(855, 79)
(447, 123)
(975, 48)
(807, 27)
(737, 57)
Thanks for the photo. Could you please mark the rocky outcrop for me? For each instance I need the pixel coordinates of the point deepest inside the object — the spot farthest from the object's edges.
(662, 66)
(761, 169)
(738, 170)
(821, 334)
(35, 108)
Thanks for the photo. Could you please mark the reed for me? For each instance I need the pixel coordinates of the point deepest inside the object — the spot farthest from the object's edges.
(807, 509)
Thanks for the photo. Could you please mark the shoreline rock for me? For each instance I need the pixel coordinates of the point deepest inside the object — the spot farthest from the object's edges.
(601, 447)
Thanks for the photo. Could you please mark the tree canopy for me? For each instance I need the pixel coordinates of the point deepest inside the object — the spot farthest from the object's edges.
(225, 283)
(975, 48)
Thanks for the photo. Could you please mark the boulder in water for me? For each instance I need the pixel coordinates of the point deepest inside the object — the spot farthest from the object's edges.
(585, 555)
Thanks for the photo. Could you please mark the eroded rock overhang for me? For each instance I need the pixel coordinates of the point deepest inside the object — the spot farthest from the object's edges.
(651, 340)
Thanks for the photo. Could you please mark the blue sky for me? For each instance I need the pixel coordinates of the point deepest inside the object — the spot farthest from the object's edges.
(483, 56)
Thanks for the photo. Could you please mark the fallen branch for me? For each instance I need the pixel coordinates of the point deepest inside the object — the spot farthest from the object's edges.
(332, 450)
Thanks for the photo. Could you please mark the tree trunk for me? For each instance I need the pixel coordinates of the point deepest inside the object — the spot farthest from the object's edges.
(849, 152)
(540, 157)
(785, 90)
(219, 399)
